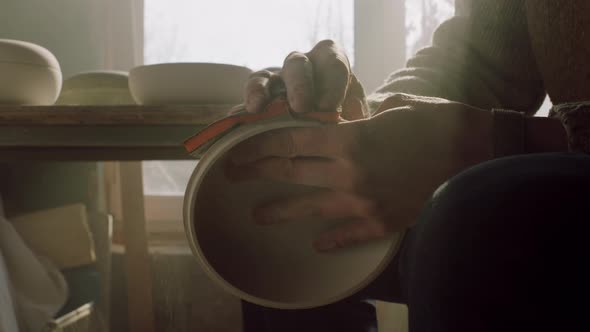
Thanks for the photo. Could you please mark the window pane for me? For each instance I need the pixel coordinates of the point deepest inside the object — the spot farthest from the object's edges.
(221, 31)
(166, 177)
(422, 18)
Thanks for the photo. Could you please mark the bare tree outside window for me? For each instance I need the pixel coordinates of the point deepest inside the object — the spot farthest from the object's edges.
(328, 21)
(422, 18)
(220, 31)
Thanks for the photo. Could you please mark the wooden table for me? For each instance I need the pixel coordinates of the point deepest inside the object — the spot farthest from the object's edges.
(101, 133)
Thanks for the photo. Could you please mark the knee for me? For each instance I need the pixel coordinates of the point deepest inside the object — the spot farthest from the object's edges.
(487, 234)
(501, 205)
(509, 189)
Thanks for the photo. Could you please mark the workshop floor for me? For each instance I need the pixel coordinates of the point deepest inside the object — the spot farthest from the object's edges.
(184, 297)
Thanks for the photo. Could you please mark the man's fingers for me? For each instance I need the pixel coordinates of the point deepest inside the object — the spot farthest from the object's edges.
(297, 74)
(317, 80)
(324, 204)
(256, 94)
(338, 174)
(259, 90)
(354, 106)
(331, 71)
(351, 234)
(331, 141)
(353, 109)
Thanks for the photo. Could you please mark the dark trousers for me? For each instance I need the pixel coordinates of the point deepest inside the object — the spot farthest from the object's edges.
(503, 246)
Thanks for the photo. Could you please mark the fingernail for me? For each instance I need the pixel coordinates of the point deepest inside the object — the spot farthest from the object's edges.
(324, 245)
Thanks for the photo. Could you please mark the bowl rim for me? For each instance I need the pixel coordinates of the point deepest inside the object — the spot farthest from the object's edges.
(216, 151)
(31, 64)
(42, 56)
(192, 64)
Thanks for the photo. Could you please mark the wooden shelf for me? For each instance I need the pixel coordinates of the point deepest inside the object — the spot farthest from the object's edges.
(70, 133)
(101, 132)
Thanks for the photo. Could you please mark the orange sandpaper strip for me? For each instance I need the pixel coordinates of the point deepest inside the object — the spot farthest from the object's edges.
(221, 126)
(276, 108)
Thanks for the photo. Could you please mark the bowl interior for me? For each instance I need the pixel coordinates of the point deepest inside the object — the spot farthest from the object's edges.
(274, 266)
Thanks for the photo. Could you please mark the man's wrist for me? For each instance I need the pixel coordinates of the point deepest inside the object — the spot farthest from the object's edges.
(544, 134)
(575, 119)
(516, 134)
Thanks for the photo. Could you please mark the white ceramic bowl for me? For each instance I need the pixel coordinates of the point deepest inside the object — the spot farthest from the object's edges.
(273, 266)
(29, 74)
(96, 88)
(188, 83)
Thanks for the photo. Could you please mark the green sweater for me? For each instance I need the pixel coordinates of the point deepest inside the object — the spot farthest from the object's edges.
(505, 54)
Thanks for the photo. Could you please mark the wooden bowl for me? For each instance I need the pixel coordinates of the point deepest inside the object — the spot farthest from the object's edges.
(29, 74)
(188, 83)
(273, 266)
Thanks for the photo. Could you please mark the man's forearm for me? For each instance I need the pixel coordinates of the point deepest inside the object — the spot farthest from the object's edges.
(538, 134)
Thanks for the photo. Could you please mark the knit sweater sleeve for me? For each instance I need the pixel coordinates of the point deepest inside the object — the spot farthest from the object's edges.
(482, 57)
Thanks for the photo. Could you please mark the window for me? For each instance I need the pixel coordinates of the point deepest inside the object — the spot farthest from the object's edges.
(220, 31)
(422, 18)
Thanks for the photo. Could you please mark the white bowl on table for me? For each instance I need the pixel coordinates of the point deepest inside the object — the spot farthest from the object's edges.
(29, 74)
(275, 265)
(100, 87)
(188, 83)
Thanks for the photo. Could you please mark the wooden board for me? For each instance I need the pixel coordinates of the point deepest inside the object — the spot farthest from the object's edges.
(111, 115)
(101, 132)
(140, 304)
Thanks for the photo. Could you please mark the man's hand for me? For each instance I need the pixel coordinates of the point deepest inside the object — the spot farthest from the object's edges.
(378, 172)
(320, 80)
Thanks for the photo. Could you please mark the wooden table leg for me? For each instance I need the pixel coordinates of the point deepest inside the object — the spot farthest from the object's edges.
(137, 260)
